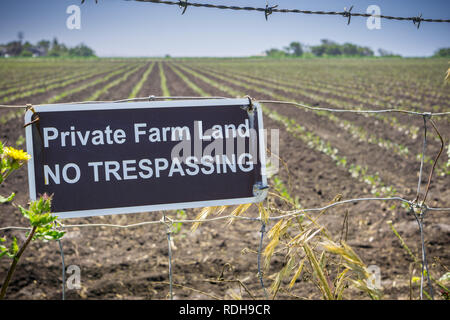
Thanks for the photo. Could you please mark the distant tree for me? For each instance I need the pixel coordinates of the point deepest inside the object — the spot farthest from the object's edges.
(57, 49)
(295, 49)
(385, 53)
(27, 46)
(275, 53)
(14, 48)
(81, 51)
(318, 50)
(44, 44)
(44, 47)
(327, 42)
(349, 49)
(365, 51)
(20, 36)
(26, 53)
(55, 42)
(333, 50)
(443, 52)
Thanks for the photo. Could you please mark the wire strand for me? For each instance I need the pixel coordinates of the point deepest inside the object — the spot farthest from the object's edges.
(154, 98)
(285, 214)
(273, 9)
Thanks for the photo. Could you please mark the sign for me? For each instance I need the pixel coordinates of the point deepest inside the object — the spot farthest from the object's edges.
(110, 158)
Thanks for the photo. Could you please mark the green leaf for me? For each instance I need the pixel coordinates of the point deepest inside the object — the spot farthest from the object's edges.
(11, 251)
(9, 199)
(14, 248)
(24, 212)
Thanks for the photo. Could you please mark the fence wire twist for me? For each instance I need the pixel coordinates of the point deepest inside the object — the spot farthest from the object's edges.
(416, 207)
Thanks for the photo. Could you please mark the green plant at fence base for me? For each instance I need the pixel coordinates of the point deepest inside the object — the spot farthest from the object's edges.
(279, 186)
(42, 222)
(180, 215)
(43, 226)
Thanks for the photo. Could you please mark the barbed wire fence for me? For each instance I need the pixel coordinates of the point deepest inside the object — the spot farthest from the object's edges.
(417, 207)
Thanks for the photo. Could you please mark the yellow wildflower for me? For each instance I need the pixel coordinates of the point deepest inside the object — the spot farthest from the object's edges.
(14, 154)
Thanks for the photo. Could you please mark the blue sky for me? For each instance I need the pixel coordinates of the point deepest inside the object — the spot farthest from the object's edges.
(129, 28)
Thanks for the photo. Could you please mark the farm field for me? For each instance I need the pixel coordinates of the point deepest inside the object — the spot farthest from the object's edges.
(323, 154)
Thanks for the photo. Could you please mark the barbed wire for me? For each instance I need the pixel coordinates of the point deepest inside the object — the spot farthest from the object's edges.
(268, 10)
(286, 214)
(156, 98)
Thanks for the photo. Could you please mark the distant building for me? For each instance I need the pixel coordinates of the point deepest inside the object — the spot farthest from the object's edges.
(38, 51)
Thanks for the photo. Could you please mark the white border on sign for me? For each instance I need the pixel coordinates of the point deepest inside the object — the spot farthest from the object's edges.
(144, 105)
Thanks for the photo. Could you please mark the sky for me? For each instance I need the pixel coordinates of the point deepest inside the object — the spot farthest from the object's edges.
(119, 28)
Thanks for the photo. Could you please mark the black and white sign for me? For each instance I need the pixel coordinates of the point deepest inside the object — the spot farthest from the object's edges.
(109, 158)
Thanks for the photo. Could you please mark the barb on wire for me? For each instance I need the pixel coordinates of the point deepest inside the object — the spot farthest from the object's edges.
(417, 20)
(183, 5)
(346, 13)
(269, 10)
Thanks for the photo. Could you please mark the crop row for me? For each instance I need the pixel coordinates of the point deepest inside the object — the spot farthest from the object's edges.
(57, 98)
(112, 84)
(58, 85)
(47, 81)
(372, 94)
(312, 140)
(138, 86)
(104, 79)
(367, 96)
(15, 74)
(162, 76)
(356, 131)
(308, 89)
(390, 79)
